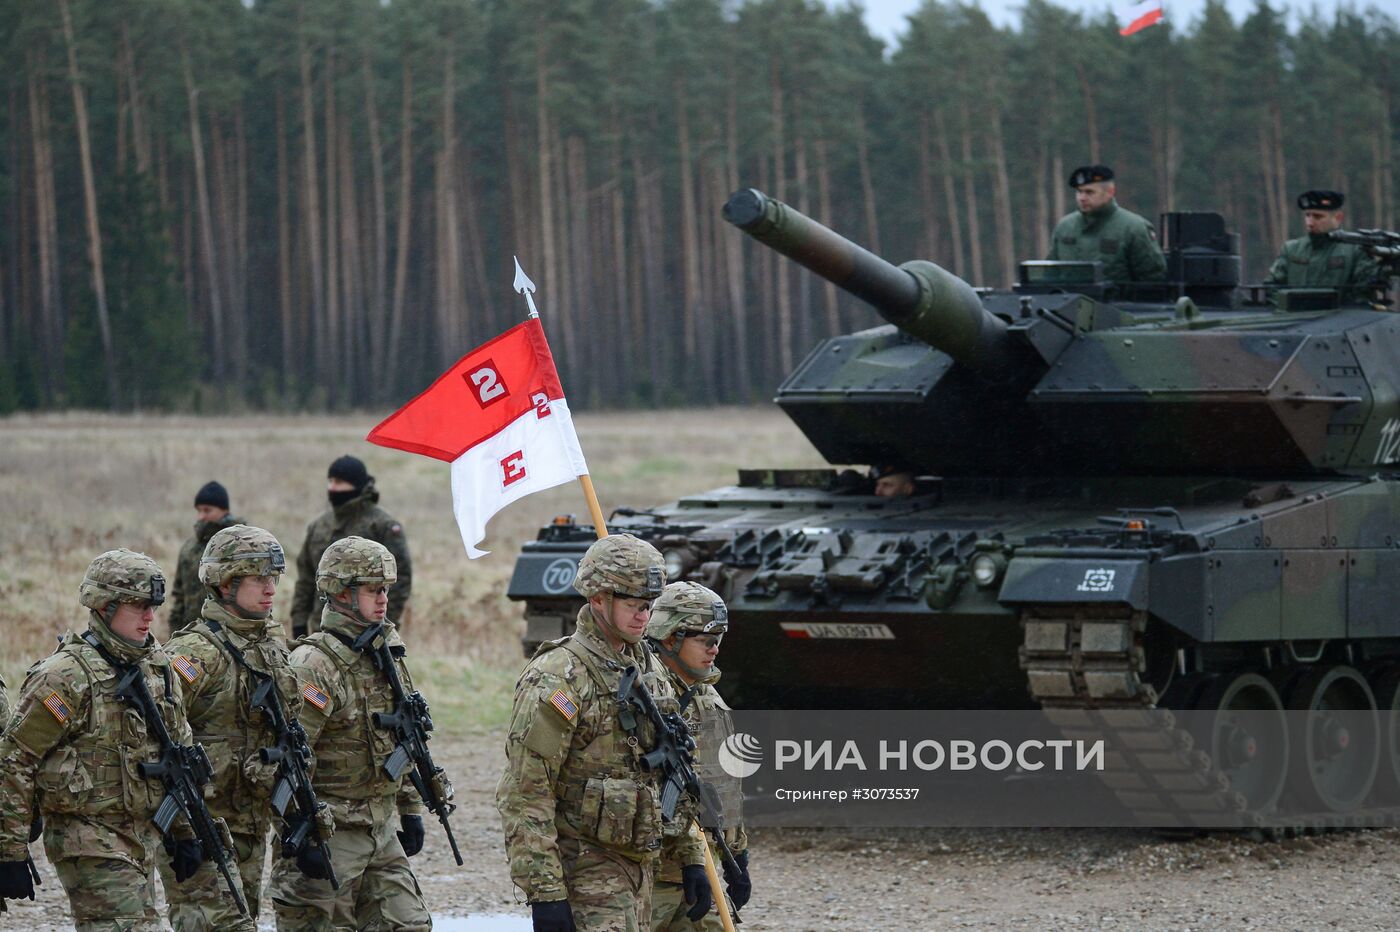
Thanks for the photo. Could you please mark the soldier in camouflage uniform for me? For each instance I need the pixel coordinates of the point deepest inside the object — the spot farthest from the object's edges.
(76, 748)
(1316, 260)
(378, 821)
(687, 624)
(354, 512)
(219, 660)
(187, 595)
(1101, 231)
(582, 818)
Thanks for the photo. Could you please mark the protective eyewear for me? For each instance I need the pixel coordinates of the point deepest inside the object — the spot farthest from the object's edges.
(710, 641)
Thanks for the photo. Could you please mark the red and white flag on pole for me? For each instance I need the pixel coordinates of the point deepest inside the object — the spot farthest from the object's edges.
(500, 418)
(1135, 17)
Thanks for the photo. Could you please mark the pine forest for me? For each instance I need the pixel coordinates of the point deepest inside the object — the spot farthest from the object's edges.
(211, 205)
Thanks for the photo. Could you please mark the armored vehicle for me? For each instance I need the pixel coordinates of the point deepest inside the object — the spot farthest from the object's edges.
(1180, 495)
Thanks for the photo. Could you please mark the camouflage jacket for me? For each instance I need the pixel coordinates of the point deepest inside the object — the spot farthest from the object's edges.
(1320, 262)
(1125, 243)
(76, 749)
(571, 770)
(341, 690)
(218, 693)
(187, 594)
(4, 704)
(359, 517)
(708, 718)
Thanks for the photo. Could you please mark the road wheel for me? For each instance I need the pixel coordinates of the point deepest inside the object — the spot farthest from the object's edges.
(1337, 742)
(1242, 726)
(1385, 683)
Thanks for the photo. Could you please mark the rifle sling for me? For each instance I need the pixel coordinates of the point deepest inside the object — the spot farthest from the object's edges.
(123, 669)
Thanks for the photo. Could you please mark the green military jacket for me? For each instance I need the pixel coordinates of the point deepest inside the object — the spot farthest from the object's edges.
(72, 746)
(1320, 262)
(341, 691)
(359, 517)
(1125, 243)
(572, 770)
(708, 719)
(218, 693)
(187, 594)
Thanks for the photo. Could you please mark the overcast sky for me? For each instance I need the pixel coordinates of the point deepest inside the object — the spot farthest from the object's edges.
(887, 18)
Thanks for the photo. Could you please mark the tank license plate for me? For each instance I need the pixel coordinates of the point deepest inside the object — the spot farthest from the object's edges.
(837, 630)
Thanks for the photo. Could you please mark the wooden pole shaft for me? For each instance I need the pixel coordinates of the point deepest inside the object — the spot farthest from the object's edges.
(596, 511)
(716, 890)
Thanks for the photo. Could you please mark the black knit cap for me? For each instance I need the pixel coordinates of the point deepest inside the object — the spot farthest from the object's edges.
(212, 493)
(351, 470)
(1088, 174)
(1321, 200)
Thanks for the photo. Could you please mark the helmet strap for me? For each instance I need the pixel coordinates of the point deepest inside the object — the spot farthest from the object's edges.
(673, 655)
(230, 602)
(351, 611)
(605, 620)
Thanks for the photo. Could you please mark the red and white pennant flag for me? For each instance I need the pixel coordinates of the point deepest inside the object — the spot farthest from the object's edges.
(500, 418)
(1135, 17)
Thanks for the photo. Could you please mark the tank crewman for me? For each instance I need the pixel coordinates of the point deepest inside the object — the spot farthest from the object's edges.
(354, 512)
(378, 821)
(687, 624)
(61, 752)
(569, 754)
(893, 481)
(220, 660)
(1316, 260)
(1101, 231)
(212, 515)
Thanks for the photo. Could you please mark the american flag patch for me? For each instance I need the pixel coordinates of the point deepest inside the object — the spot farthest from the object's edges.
(186, 668)
(58, 708)
(564, 704)
(314, 696)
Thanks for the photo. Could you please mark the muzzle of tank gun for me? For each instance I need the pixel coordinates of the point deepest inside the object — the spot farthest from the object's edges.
(919, 297)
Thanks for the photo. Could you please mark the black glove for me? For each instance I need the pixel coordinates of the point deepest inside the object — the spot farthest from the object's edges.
(186, 857)
(697, 891)
(36, 827)
(555, 916)
(312, 861)
(736, 882)
(16, 883)
(412, 835)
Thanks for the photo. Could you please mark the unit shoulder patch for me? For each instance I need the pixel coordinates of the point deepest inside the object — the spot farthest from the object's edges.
(315, 696)
(187, 668)
(58, 708)
(562, 704)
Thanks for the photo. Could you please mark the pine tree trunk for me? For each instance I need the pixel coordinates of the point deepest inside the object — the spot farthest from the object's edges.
(734, 252)
(284, 247)
(53, 375)
(829, 297)
(974, 223)
(867, 184)
(1043, 220)
(378, 318)
(690, 247)
(94, 230)
(405, 222)
(335, 313)
(928, 212)
(1091, 113)
(140, 131)
(206, 227)
(784, 309)
(545, 174)
(802, 325)
(1006, 234)
(945, 155)
(311, 212)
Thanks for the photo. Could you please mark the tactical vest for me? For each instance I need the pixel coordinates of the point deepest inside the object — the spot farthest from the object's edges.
(96, 771)
(604, 795)
(351, 750)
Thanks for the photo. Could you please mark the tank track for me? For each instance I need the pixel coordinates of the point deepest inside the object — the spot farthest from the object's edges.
(1086, 666)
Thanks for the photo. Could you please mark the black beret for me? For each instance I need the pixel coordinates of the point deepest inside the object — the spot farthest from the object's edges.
(1088, 174)
(212, 493)
(349, 469)
(1321, 200)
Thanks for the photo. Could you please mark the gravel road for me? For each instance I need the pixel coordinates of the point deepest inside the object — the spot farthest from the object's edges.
(916, 879)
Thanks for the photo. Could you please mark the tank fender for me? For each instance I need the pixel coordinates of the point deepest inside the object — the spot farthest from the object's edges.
(1055, 579)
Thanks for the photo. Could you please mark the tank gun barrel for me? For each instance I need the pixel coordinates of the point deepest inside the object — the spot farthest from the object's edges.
(918, 297)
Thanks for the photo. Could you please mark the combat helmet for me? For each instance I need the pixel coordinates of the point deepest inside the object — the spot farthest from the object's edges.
(121, 576)
(687, 606)
(621, 563)
(235, 552)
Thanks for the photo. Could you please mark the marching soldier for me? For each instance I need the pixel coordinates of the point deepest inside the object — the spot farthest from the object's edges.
(582, 817)
(212, 516)
(354, 512)
(687, 624)
(1101, 231)
(233, 647)
(1318, 261)
(378, 821)
(75, 748)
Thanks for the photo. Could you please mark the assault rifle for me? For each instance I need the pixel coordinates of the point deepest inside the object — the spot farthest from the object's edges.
(410, 724)
(672, 758)
(182, 769)
(292, 755)
(1384, 247)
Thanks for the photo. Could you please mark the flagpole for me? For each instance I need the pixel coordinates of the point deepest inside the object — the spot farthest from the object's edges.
(524, 286)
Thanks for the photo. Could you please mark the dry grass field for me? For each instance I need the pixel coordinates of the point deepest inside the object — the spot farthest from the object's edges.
(73, 485)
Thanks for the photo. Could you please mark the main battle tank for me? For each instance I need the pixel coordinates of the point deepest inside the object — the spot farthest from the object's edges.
(1180, 495)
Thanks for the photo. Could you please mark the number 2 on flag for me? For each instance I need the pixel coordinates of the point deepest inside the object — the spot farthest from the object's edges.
(487, 384)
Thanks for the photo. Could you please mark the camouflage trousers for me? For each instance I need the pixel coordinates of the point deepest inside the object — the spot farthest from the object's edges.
(203, 904)
(607, 891)
(111, 893)
(668, 908)
(377, 888)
